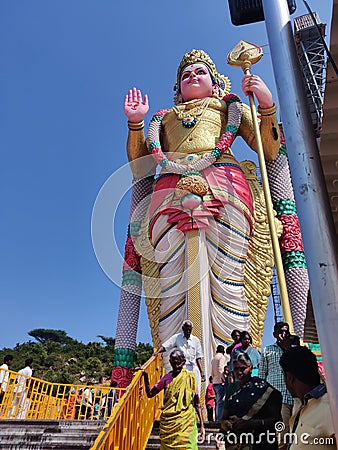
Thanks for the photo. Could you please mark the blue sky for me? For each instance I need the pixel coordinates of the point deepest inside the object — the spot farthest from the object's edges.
(66, 66)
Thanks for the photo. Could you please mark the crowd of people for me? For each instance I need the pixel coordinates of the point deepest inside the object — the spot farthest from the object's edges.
(275, 398)
(93, 402)
(18, 392)
(285, 405)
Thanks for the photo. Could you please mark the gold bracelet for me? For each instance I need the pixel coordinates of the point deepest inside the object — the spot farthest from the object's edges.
(136, 126)
(267, 111)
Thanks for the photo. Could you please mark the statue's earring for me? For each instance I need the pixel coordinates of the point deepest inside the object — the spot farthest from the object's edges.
(177, 98)
(215, 90)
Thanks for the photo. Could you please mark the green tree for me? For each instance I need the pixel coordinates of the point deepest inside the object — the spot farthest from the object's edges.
(109, 341)
(60, 359)
(43, 335)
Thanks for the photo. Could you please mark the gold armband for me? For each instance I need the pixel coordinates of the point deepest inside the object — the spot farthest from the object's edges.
(267, 111)
(136, 126)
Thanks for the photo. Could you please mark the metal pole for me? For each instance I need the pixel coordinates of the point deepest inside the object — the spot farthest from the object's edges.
(319, 236)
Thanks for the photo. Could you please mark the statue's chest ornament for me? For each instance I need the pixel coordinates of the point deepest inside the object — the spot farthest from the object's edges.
(189, 114)
(196, 167)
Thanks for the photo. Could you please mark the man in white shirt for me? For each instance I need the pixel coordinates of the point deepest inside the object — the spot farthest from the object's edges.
(4, 375)
(21, 401)
(190, 345)
(87, 409)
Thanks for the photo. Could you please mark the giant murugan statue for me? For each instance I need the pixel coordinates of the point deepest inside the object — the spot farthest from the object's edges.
(198, 235)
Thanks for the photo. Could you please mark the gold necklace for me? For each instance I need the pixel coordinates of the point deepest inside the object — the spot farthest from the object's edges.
(188, 115)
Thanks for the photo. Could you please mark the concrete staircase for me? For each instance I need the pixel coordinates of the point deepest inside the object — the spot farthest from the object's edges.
(49, 434)
(211, 430)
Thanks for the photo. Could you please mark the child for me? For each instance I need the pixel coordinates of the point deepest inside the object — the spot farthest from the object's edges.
(96, 411)
(210, 400)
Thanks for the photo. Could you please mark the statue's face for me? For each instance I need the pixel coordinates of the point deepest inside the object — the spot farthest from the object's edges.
(195, 82)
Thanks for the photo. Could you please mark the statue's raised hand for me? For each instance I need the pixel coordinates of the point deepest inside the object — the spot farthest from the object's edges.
(135, 108)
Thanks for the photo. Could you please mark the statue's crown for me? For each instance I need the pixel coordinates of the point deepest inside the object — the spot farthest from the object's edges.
(193, 57)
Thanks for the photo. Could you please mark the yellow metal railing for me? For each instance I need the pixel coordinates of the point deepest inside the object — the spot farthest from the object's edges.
(31, 398)
(131, 423)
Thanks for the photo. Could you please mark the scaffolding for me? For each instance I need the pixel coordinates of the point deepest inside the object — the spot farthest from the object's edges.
(309, 33)
(277, 308)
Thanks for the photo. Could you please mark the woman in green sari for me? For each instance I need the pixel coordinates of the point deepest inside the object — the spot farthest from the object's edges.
(178, 427)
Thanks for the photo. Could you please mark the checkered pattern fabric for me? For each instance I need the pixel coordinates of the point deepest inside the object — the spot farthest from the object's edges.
(271, 371)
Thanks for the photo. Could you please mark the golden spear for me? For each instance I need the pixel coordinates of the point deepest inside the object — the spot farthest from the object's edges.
(244, 54)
